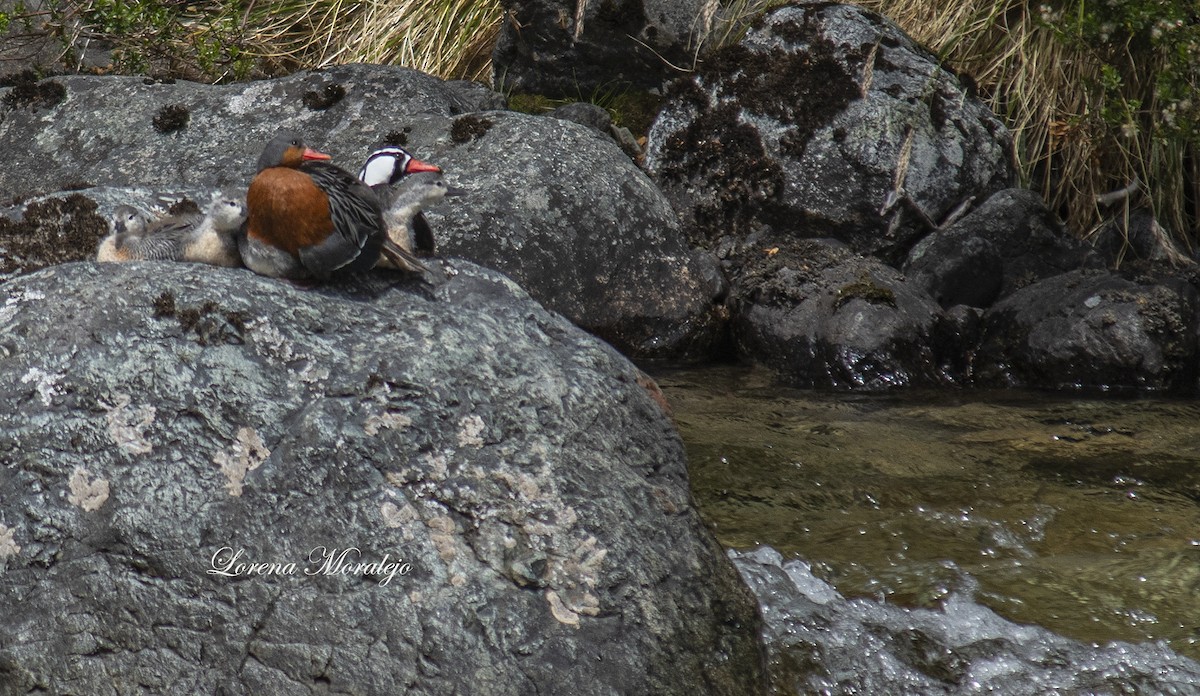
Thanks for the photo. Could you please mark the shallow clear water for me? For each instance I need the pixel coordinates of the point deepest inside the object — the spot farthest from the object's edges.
(1081, 515)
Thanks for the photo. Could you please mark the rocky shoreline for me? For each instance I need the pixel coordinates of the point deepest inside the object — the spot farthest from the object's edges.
(851, 221)
(854, 225)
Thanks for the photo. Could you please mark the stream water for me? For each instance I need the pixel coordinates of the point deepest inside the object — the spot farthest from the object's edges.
(1078, 515)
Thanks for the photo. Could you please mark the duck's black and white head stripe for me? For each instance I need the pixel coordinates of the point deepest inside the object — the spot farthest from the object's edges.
(388, 165)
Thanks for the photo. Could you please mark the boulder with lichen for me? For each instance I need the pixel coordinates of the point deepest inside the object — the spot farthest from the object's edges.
(826, 121)
(217, 482)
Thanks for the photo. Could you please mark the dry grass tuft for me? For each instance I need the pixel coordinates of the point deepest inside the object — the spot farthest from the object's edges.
(1089, 129)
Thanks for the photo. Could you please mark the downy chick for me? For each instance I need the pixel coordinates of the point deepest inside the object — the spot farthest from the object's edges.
(406, 226)
(208, 238)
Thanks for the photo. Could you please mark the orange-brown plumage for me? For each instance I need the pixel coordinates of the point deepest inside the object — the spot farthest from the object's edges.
(287, 209)
(308, 218)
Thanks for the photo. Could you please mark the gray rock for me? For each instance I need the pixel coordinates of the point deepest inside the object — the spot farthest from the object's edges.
(825, 121)
(1137, 239)
(599, 120)
(824, 316)
(108, 198)
(1007, 243)
(567, 49)
(159, 413)
(549, 203)
(104, 133)
(559, 209)
(1092, 330)
(585, 114)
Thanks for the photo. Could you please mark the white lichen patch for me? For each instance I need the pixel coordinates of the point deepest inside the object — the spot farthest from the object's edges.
(560, 611)
(246, 454)
(549, 526)
(444, 535)
(522, 485)
(8, 545)
(515, 517)
(395, 516)
(312, 374)
(269, 342)
(561, 517)
(12, 305)
(251, 100)
(86, 492)
(437, 466)
(386, 421)
(126, 426)
(582, 566)
(45, 383)
(469, 430)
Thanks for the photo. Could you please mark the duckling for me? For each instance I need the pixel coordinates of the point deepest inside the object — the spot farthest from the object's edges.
(128, 219)
(215, 240)
(391, 166)
(128, 227)
(406, 226)
(209, 238)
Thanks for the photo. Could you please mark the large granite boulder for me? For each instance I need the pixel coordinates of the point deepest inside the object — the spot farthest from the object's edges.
(826, 121)
(582, 229)
(1092, 330)
(549, 202)
(132, 131)
(506, 508)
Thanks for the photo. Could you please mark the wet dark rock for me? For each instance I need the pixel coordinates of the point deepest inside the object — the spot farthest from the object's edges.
(822, 642)
(555, 206)
(1092, 330)
(585, 114)
(956, 338)
(158, 413)
(1007, 243)
(1136, 240)
(957, 268)
(827, 317)
(565, 49)
(825, 121)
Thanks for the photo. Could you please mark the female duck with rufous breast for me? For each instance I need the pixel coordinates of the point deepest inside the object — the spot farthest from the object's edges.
(309, 218)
